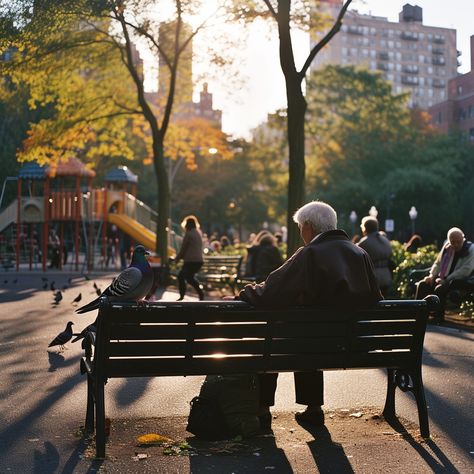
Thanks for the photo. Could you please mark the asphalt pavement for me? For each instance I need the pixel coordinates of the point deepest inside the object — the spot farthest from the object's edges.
(42, 405)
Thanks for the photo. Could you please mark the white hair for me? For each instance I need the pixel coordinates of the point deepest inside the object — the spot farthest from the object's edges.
(321, 216)
(454, 231)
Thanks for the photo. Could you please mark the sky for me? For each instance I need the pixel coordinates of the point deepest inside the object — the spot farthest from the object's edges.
(264, 87)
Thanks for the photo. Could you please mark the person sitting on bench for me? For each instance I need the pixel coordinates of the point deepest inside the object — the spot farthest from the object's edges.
(328, 271)
(450, 271)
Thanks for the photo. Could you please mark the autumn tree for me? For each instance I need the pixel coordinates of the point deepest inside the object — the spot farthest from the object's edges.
(80, 57)
(288, 14)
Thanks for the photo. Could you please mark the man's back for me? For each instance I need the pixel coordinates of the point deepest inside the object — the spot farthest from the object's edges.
(329, 271)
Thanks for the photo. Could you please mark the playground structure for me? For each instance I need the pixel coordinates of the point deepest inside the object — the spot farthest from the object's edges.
(87, 220)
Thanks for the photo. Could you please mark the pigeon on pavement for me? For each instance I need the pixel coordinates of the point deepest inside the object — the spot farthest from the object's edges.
(91, 328)
(132, 284)
(58, 296)
(52, 287)
(77, 298)
(45, 286)
(62, 337)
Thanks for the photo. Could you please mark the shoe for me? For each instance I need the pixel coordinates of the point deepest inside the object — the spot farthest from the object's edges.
(265, 418)
(180, 298)
(311, 416)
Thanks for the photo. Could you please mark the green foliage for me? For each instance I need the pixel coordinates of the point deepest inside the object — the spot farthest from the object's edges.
(367, 148)
(467, 308)
(406, 262)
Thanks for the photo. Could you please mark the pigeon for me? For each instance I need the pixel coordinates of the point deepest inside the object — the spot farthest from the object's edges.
(95, 286)
(62, 337)
(52, 287)
(98, 291)
(15, 281)
(58, 296)
(91, 328)
(45, 286)
(5, 282)
(77, 298)
(86, 277)
(69, 280)
(132, 284)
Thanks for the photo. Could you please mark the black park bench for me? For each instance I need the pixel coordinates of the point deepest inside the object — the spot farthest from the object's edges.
(229, 337)
(218, 271)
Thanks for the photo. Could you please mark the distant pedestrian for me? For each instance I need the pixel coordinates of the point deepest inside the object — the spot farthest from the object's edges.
(54, 245)
(379, 249)
(268, 258)
(191, 253)
(414, 243)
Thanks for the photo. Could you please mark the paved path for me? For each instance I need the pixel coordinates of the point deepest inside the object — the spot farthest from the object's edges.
(42, 402)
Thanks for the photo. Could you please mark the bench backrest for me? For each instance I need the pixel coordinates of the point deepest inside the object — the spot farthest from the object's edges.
(228, 264)
(198, 338)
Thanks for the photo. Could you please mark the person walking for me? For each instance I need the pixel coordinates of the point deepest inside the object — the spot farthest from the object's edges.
(191, 254)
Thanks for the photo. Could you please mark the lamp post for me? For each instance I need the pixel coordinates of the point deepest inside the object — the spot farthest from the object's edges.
(373, 212)
(353, 219)
(413, 213)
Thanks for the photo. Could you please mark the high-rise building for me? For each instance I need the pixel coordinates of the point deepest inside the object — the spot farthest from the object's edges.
(457, 112)
(204, 108)
(414, 57)
(184, 77)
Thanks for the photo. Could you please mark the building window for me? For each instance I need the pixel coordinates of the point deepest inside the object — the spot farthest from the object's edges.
(459, 90)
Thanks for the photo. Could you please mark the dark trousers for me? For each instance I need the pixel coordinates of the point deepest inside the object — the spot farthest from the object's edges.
(188, 274)
(309, 388)
(423, 289)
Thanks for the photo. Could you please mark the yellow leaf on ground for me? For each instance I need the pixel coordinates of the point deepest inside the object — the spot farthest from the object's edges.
(153, 438)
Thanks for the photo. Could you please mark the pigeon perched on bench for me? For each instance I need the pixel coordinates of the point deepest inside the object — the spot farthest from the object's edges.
(62, 337)
(132, 284)
(91, 328)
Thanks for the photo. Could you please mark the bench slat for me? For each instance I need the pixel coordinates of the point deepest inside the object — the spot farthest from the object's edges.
(298, 329)
(174, 348)
(386, 327)
(199, 331)
(373, 343)
(308, 345)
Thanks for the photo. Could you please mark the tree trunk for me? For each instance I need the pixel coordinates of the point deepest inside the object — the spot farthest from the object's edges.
(296, 167)
(163, 200)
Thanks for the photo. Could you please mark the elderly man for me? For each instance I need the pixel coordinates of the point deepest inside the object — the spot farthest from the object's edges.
(450, 271)
(328, 271)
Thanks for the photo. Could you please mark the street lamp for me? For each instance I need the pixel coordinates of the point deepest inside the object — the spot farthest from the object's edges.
(353, 219)
(413, 213)
(373, 212)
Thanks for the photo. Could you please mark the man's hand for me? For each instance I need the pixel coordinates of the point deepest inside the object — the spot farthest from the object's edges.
(441, 281)
(428, 279)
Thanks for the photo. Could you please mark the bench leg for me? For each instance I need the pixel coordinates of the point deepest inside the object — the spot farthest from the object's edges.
(100, 420)
(389, 409)
(89, 426)
(419, 392)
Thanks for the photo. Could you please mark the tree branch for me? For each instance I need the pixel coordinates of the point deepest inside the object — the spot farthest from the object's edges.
(332, 32)
(271, 9)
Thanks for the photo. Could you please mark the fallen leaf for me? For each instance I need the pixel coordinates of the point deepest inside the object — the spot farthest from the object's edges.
(153, 439)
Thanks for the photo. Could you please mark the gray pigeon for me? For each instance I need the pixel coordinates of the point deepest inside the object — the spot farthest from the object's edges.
(91, 328)
(77, 298)
(58, 297)
(62, 337)
(133, 284)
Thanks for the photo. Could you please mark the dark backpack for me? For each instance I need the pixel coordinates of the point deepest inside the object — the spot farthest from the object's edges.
(227, 406)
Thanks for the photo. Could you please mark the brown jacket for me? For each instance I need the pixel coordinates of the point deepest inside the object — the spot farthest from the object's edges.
(330, 271)
(191, 248)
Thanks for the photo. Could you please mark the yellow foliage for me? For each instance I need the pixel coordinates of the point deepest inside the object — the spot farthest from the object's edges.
(153, 439)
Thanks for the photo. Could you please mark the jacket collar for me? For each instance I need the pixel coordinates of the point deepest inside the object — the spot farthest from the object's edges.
(329, 235)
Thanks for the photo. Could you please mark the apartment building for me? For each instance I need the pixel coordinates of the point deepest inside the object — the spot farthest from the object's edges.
(457, 111)
(414, 57)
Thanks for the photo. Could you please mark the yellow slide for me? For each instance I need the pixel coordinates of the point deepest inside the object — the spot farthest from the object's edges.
(136, 231)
